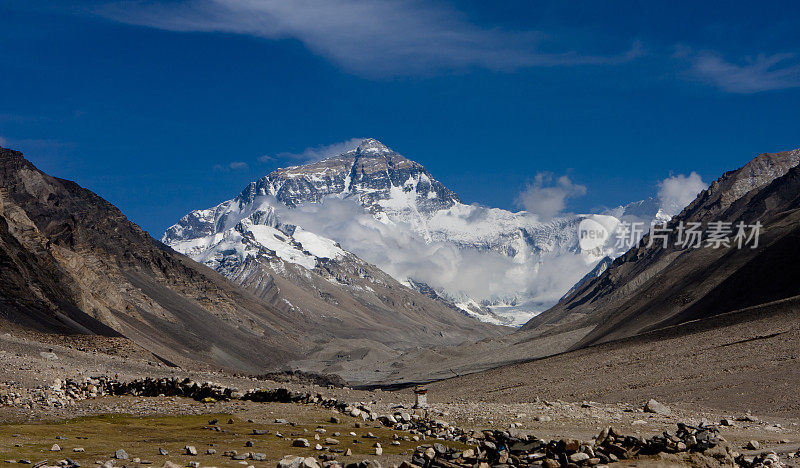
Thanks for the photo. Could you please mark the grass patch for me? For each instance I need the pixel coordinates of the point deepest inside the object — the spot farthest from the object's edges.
(141, 437)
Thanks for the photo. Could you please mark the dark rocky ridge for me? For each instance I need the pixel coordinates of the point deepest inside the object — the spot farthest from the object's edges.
(649, 288)
(72, 263)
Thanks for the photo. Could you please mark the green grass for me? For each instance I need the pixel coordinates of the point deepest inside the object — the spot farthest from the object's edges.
(141, 437)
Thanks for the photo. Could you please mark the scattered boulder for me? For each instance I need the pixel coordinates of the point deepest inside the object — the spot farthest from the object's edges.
(290, 462)
(301, 443)
(654, 406)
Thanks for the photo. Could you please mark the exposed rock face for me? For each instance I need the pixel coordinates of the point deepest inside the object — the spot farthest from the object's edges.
(372, 173)
(72, 263)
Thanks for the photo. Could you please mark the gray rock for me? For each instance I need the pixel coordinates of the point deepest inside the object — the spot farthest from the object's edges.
(753, 445)
(653, 406)
(290, 462)
(258, 456)
(579, 457)
(121, 455)
(163, 452)
(191, 450)
(49, 355)
(300, 443)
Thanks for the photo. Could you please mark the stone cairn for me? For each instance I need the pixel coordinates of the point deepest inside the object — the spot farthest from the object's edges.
(506, 448)
(62, 393)
(492, 448)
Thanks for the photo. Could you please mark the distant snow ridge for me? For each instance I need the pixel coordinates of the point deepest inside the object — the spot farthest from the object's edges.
(496, 265)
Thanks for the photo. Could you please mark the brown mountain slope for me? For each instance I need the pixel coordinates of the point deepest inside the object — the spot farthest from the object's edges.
(72, 263)
(648, 288)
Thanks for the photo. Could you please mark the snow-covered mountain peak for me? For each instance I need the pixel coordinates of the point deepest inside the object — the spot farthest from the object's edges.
(391, 212)
(371, 146)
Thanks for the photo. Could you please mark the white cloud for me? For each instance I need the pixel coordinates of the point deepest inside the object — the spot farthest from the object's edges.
(676, 192)
(3, 142)
(234, 166)
(315, 153)
(753, 75)
(546, 197)
(375, 38)
(461, 272)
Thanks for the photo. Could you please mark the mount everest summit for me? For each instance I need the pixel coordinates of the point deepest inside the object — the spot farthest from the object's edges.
(371, 204)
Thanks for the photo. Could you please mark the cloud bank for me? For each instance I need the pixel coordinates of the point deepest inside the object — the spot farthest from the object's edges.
(752, 75)
(546, 197)
(316, 153)
(233, 166)
(676, 192)
(393, 247)
(391, 37)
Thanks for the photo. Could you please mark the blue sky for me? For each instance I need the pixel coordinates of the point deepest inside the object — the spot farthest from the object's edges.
(162, 107)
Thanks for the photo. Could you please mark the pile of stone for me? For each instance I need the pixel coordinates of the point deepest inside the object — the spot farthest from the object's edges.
(767, 459)
(404, 421)
(60, 394)
(10, 396)
(291, 461)
(208, 391)
(504, 448)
